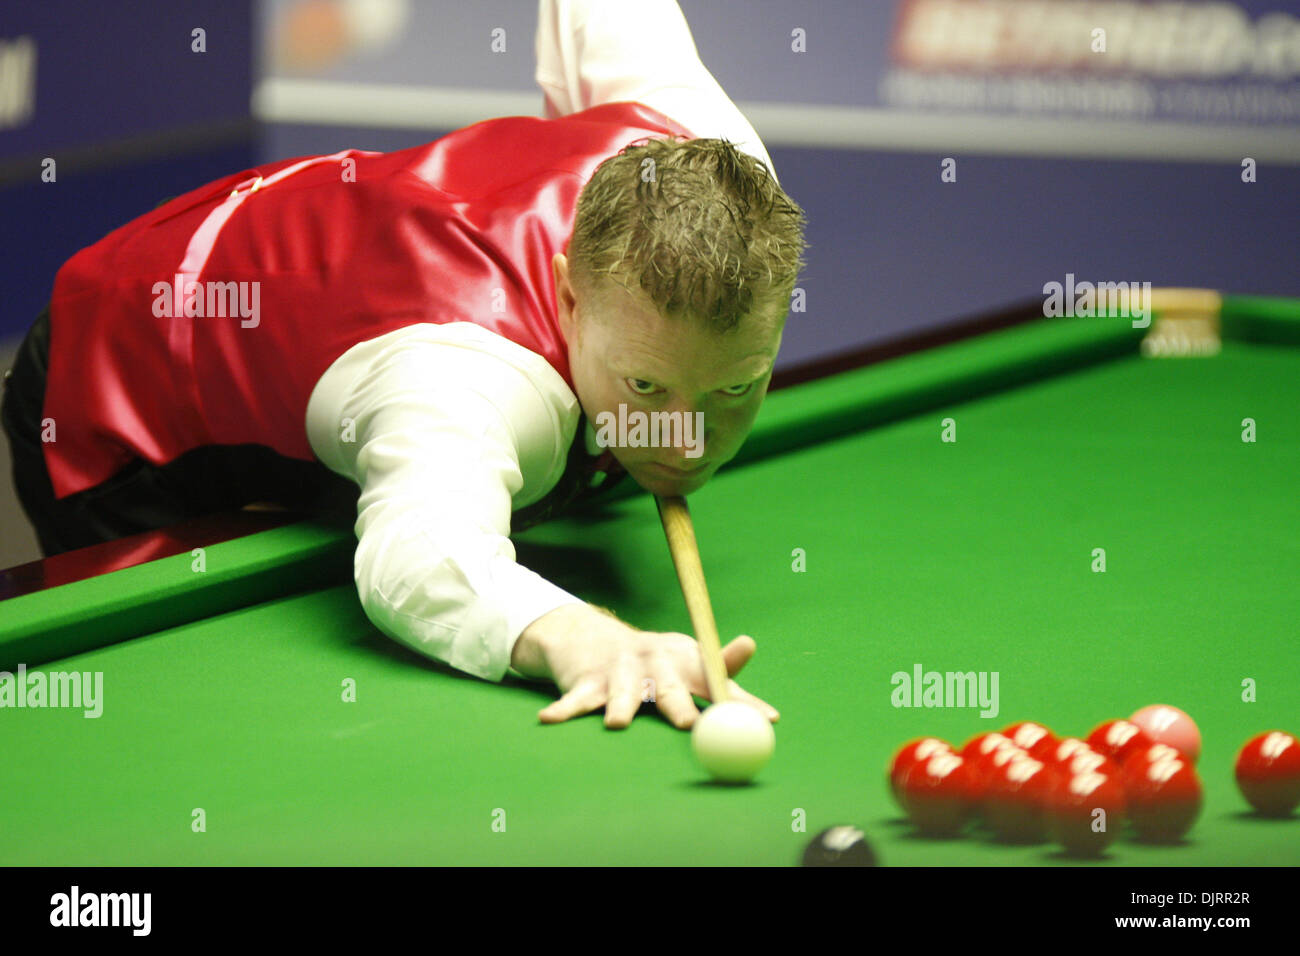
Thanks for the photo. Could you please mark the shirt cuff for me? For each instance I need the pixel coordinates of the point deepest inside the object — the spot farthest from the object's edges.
(533, 596)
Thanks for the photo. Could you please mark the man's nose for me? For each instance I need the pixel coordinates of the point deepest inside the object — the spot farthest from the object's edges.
(690, 436)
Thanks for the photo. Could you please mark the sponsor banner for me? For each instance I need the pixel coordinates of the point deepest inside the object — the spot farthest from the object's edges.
(1189, 62)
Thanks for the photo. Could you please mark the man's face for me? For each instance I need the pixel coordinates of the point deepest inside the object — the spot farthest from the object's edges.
(623, 352)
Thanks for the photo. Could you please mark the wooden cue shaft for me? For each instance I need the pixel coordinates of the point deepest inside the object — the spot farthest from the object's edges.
(676, 518)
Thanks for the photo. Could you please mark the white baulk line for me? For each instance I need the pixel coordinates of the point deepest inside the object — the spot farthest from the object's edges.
(380, 105)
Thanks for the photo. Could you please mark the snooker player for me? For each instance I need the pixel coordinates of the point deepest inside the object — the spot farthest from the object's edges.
(425, 338)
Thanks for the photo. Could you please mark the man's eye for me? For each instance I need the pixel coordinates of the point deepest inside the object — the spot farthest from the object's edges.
(641, 386)
(737, 390)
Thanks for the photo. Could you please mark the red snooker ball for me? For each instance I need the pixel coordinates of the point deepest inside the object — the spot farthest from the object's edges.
(1169, 725)
(981, 745)
(1086, 811)
(937, 794)
(1164, 793)
(1065, 749)
(908, 756)
(1017, 797)
(1268, 773)
(985, 762)
(1118, 739)
(1089, 761)
(1035, 738)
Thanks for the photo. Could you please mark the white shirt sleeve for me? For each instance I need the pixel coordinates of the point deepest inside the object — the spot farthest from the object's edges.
(591, 52)
(446, 429)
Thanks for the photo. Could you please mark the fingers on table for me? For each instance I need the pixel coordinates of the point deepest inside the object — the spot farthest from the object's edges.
(739, 693)
(737, 652)
(584, 697)
(673, 697)
(627, 687)
(626, 690)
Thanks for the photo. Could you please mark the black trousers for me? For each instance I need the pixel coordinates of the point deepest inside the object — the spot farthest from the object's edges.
(143, 496)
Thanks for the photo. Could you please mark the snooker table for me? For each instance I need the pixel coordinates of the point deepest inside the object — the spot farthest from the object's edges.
(224, 689)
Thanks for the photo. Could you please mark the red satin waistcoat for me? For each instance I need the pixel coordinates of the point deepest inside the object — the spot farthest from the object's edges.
(427, 234)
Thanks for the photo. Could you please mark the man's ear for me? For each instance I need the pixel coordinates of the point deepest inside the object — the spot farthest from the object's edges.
(565, 300)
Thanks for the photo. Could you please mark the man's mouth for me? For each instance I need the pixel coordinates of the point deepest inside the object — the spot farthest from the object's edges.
(680, 474)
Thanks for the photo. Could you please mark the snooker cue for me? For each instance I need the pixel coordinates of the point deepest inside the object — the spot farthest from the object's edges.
(676, 518)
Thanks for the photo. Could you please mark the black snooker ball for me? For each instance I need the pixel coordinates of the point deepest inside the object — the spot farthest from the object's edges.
(839, 846)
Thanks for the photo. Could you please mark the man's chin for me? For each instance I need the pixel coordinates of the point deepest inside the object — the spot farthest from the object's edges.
(658, 482)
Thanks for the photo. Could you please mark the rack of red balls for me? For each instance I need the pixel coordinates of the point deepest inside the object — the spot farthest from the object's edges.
(1025, 784)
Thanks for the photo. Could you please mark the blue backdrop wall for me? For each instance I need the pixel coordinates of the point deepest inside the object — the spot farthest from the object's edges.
(132, 115)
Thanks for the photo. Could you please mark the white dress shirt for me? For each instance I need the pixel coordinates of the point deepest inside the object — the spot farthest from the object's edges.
(447, 429)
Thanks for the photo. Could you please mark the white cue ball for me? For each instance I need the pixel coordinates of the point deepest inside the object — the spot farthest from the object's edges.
(732, 741)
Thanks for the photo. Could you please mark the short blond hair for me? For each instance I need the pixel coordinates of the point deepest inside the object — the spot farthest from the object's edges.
(701, 229)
